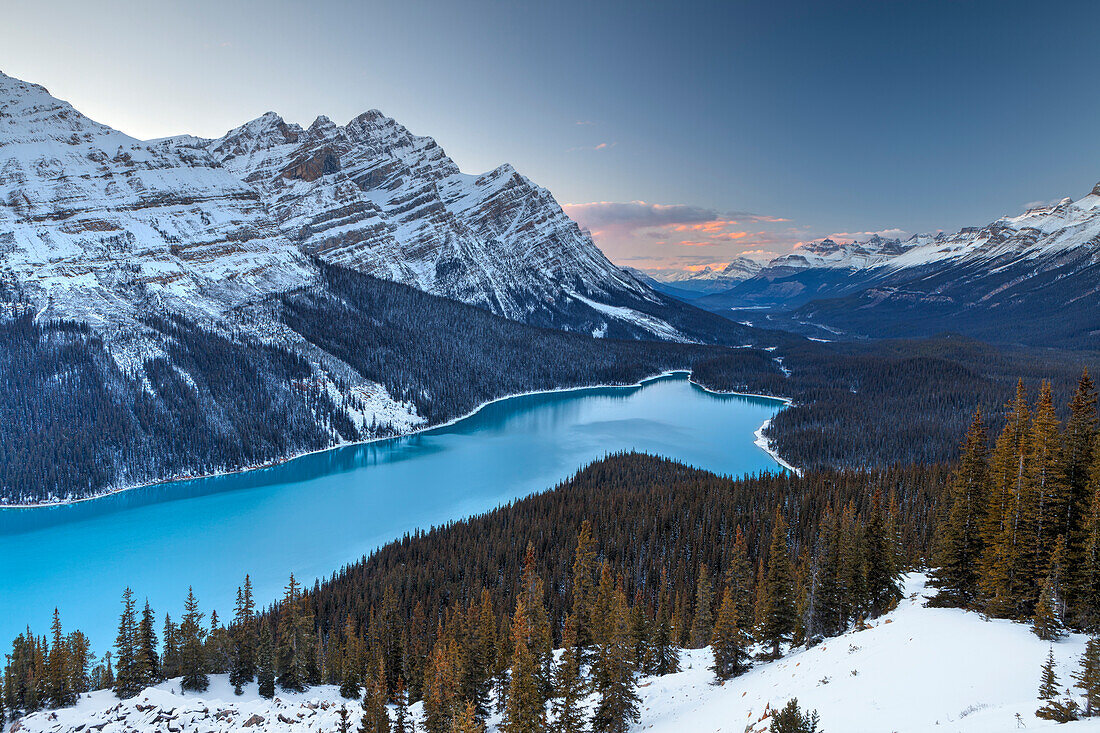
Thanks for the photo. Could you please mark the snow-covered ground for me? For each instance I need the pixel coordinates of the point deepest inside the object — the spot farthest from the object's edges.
(917, 669)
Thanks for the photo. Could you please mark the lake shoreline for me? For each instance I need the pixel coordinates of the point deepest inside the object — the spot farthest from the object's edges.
(765, 446)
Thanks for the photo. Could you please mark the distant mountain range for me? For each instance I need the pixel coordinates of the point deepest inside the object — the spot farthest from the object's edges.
(1028, 279)
(701, 282)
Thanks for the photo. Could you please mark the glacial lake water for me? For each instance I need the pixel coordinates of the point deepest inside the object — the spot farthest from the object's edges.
(314, 514)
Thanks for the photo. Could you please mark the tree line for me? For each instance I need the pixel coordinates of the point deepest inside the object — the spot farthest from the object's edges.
(748, 567)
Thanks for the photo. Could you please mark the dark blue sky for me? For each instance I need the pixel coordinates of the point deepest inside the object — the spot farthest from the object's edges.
(717, 118)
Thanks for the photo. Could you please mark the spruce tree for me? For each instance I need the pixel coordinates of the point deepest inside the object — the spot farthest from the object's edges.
(791, 719)
(663, 649)
(192, 650)
(778, 608)
(127, 675)
(441, 685)
(1087, 591)
(584, 580)
(524, 711)
(703, 621)
(1045, 623)
(467, 720)
(402, 723)
(1047, 479)
(376, 719)
(883, 576)
(243, 667)
(60, 689)
(265, 663)
(1060, 710)
(480, 653)
(170, 659)
(569, 685)
(294, 653)
(729, 643)
(1078, 441)
(349, 668)
(959, 542)
(739, 577)
(343, 720)
(613, 673)
(1088, 677)
(148, 662)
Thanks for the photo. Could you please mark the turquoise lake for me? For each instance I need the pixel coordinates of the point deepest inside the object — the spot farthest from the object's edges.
(316, 513)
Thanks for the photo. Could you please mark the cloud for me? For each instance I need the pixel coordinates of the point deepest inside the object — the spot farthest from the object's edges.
(597, 146)
(664, 236)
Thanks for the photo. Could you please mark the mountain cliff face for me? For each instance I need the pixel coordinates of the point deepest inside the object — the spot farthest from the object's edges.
(371, 196)
(97, 226)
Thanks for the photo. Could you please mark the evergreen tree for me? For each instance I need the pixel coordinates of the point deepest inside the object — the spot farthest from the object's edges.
(883, 576)
(265, 663)
(1055, 709)
(729, 643)
(778, 608)
(127, 675)
(480, 654)
(376, 719)
(584, 579)
(791, 719)
(243, 667)
(343, 721)
(349, 668)
(147, 662)
(294, 653)
(402, 723)
(569, 685)
(441, 685)
(703, 620)
(524, 711)
(1047, 479)
(1078, 441)
(739, 577)
(1045, 623)
(60, 690)
(1088, 677)
(467, 720)
(663, 649)
(192, 651)
(613, 672)
(1088, 582)
(959, 542)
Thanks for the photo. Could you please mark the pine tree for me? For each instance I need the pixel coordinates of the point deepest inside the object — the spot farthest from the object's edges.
(349, 668)
(467, 720)
(294, 653)
(1055, 709)
(739, 577)
(1002, 529)
(265, 663)
(60, 690)
(959, 542)
(402, 723)
(127, 675)
(375, 717)
(441, 685)
(1088, 677)
(148, 662)
(243, 667)
(729, 643)
(1078, 441)
(663, 649)
(703, 621)
(584, 579)
(524, 711)
(1045, 623)
(779, 612)
(613, 672)
(192, 651)
(569, 685)
(1087, 590)
(791, 719)
(1047, 479)
(343, 722)
(480, 654)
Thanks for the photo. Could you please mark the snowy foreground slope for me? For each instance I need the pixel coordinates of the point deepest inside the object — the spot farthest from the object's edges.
(917, 669)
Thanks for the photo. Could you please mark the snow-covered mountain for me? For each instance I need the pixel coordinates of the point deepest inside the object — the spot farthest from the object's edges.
(373, 197)
(1032, 278)
(710, 279)
(97, 226)
(914, 670)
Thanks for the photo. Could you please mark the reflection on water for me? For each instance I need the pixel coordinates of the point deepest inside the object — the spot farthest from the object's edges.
(315, 513)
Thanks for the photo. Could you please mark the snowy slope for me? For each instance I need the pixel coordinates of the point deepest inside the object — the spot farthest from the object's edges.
(371, 196)
(98, 226)
(917, 669)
